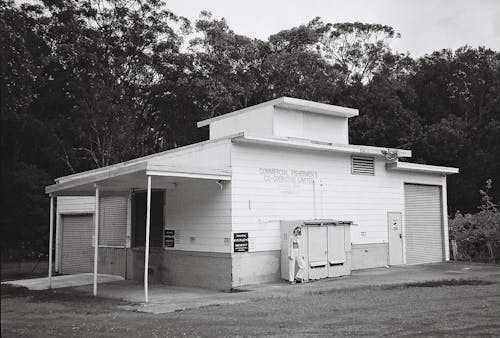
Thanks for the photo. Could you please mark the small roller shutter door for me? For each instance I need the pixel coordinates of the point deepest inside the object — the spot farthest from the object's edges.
(77, 254)
(113, 220)
(424, 229)
(112, 235)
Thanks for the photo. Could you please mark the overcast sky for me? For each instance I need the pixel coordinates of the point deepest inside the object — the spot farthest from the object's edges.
(425, 25)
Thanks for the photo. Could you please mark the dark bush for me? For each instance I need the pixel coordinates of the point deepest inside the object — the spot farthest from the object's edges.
(477, 235)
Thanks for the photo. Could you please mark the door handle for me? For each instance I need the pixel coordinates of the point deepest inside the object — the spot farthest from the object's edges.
(400, 235)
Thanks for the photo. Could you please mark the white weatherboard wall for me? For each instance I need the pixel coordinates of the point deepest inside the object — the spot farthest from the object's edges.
(214, 155)
(271, 121)
(258, 121)
(304, 125)
(75, 204)
(275, 183)
(199, 212)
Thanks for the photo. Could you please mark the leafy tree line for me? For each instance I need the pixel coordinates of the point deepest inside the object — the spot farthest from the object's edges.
(88, 84)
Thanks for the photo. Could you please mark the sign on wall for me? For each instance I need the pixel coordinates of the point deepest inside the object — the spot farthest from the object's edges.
(283, 175)
(169, 238)
(241, 242)
(288, 181)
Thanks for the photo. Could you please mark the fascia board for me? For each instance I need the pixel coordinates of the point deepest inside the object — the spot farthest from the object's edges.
(317, 107)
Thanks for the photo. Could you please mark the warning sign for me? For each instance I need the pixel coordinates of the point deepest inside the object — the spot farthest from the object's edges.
(169, 238)
(241, 242)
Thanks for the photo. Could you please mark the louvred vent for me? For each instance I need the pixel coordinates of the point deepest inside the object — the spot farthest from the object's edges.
(363, 165)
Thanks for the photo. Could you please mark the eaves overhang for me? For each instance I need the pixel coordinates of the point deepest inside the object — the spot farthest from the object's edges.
(321, 146)
(290, 103)
(423, 168)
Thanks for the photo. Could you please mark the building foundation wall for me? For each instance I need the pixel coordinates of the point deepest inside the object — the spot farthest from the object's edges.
(135, 264)
(255, 267)
(366, 256)
(209, 270)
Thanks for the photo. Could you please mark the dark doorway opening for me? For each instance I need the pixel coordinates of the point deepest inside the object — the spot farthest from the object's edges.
(139, 219)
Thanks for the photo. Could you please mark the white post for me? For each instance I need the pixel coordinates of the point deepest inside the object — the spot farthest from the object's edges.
(444, 201)
(57, 253)
(96, 236)
(128, 238)
(314, 198)
(51, 239)
(146, 249)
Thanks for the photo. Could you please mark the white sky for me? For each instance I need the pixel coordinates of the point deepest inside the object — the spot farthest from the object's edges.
(425, 25)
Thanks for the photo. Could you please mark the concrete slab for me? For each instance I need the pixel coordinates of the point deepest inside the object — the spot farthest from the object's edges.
(162, 298)
(63, 281)
(389, 276)
(165, 298)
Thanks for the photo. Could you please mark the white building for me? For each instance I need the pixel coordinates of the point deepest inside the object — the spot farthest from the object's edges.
(285, 159)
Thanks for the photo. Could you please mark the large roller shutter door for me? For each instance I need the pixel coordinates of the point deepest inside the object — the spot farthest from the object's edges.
(77, 253)
(424, 229)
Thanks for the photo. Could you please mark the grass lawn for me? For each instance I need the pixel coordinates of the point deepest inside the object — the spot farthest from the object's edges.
(415, 310)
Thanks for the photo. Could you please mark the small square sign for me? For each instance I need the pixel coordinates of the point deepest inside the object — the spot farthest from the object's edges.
(240, 242)
(169, 238)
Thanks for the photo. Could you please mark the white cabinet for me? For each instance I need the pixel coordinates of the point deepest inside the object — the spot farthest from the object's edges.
(326, 246)
(317, 251)
(339, 250)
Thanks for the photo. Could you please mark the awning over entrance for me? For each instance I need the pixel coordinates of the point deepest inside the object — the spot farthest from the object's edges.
(132, 176)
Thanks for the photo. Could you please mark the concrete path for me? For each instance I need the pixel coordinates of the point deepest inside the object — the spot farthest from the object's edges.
(165, 298)
(391, 276)
(63, 281)
(162, 298)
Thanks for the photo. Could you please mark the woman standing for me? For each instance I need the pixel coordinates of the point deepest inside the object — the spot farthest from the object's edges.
(295, 254)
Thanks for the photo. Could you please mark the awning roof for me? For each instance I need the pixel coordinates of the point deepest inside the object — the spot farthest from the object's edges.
(134, 176)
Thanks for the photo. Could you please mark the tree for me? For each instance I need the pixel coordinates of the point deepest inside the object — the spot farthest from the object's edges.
(384, 120)
(356, 49)
(25, 164)
(227, 65)
(456, 97)
(294, 66)
(110, 48)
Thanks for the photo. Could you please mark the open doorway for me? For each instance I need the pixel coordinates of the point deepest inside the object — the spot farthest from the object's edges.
(139, 201)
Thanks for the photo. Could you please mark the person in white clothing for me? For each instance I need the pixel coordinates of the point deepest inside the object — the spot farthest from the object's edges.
(295, 255)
